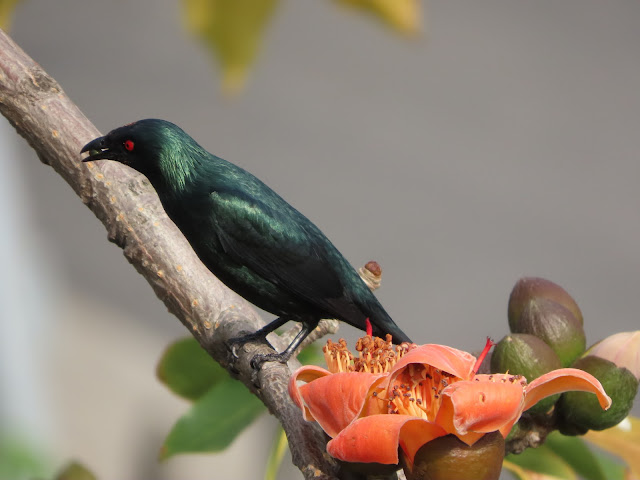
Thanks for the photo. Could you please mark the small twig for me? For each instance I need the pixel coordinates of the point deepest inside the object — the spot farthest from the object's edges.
(531, 432)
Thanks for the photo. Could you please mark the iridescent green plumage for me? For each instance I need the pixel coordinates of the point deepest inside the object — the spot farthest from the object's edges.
(245, 233)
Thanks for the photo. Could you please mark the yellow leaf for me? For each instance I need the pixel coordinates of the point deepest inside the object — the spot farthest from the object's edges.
(278, 450)
(523, 474)
(402, 15)
(6, 7)
(623, 440)
(232, 30)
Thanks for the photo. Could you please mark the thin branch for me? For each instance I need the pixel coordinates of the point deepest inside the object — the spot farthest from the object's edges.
(125, 203)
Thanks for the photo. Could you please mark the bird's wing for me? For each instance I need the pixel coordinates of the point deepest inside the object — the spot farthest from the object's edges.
(280, 245)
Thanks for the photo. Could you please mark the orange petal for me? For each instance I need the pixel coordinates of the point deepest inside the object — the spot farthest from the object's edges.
(375, 439)
(564, 380)
(451, 360)
(488, 403)
(335, 400)
(307, 374)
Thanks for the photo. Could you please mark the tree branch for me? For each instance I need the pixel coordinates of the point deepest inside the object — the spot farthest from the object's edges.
(125, 203)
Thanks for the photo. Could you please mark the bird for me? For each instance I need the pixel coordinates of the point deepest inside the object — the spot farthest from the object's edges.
(247, 235)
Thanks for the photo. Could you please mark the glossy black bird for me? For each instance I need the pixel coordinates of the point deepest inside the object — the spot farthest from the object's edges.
(246, 234)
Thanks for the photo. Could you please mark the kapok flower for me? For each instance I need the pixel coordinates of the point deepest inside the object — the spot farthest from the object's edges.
(386, 399)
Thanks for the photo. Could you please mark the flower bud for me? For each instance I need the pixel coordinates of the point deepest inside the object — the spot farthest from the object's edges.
(448, 458)
(555, 325)
(580, 411)
(528, 288)
(623, 349)
(526, 355)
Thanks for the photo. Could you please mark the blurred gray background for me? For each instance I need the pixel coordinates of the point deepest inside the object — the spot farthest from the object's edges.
(503, 143)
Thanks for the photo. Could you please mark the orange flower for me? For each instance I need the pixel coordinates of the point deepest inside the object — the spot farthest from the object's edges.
(409, 396)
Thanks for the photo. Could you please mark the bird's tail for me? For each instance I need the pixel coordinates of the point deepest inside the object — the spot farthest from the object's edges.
(383, 324)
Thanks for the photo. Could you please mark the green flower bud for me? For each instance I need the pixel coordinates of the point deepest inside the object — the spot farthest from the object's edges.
(555, 325)
(528, 288)
(580, 411)
(448, 458)
(526, 355)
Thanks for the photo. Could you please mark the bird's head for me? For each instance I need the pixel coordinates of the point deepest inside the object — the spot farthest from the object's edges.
(156, 148)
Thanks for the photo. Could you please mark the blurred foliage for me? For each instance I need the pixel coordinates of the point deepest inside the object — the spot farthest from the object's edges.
(6, 8)
(401, 15)
(214, 420)
(233, 29)
(575, 452)
(542, 461)
(75, 471)
(187, 370)
(222, 407)
(277, 454)
(20, 460)
(623, 441)
(568, 458)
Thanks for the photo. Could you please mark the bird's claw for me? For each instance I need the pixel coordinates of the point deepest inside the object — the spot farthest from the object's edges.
(258, 360)
(234, 343)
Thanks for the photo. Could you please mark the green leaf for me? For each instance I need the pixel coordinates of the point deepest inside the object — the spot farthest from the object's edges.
(543, 460)
(20, 459)
(575, 452)
(311, 355)
(214, 420)
(612, 470)
(187, 370)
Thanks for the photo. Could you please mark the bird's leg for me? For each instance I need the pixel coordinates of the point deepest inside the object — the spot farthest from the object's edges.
(307, 328)
(261, 334)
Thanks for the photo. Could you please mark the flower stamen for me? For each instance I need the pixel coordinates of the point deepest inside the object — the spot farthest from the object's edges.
(375, 355)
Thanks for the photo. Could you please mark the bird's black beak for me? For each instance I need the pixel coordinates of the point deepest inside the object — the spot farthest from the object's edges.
(98, 150)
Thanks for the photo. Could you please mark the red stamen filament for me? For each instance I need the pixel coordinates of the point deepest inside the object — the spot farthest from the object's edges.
(482, 356)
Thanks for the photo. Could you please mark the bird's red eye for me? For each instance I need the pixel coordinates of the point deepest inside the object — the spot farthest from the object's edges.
(128, 145)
